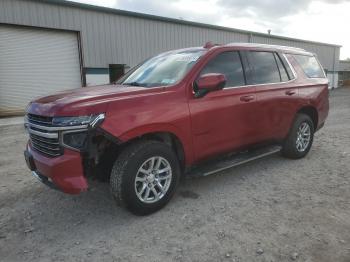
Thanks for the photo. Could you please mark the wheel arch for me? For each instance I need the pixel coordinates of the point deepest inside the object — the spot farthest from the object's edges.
(165, 135)
(311, 111)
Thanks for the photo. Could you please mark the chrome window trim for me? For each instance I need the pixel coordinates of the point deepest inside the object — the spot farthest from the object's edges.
(273, 83)
(286, 82)
(291, 67)
(295, 76)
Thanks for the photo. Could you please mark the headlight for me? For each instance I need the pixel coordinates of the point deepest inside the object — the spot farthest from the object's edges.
(74, 129)
(75, 140)
(92, 120)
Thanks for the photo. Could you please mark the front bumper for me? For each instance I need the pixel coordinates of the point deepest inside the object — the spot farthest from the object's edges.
(64, 173)
(45, 180)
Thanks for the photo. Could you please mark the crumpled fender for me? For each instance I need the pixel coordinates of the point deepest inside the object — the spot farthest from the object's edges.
(184, 138)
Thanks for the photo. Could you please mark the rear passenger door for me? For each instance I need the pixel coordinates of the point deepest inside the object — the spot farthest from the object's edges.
(277, 95)
(224, 120)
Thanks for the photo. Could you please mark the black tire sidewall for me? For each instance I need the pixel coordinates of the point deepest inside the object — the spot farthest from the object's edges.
(133, 203)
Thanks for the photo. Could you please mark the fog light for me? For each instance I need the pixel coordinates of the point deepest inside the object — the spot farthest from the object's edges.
(76, 140)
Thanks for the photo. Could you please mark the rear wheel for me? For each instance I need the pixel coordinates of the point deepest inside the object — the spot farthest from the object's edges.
(300, 138)
(145, 176)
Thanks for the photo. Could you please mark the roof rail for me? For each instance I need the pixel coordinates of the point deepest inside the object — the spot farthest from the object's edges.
(267, 46)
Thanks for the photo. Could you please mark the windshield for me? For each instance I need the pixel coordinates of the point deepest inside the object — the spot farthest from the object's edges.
(162, 70)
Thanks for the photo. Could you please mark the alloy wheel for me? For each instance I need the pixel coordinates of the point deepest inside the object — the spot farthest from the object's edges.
(303, 137)
(153, 179)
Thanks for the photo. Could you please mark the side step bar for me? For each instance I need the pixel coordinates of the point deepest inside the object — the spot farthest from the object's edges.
(232, 160)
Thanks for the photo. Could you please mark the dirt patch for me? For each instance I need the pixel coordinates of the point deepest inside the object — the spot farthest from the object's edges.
(188, 194)
(273, 209)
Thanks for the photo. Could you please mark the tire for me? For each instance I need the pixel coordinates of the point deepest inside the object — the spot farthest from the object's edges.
(294, 148)
(127, 168)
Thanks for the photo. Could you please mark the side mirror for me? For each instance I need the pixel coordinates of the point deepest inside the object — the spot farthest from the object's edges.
(209, 82)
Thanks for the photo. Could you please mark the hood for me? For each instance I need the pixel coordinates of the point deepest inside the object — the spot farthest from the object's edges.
(85, 100)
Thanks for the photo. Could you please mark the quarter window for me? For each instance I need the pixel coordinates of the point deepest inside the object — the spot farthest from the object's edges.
(286, 64)
(283, 73)
(264, 66)
(310, 66)
(229, 64)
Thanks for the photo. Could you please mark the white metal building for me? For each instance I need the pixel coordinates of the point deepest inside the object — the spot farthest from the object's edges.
(51, 45)
(344, 72)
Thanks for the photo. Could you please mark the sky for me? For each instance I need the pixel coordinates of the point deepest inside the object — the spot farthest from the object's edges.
(323, 20)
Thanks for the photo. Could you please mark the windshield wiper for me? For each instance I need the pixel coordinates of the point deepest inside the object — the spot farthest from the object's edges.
(133, 84)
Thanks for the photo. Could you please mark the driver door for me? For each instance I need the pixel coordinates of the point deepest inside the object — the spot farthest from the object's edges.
(224, 120)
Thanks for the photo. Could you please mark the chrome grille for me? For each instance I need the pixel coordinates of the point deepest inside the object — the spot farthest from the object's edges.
(43, 135)
(40, 120)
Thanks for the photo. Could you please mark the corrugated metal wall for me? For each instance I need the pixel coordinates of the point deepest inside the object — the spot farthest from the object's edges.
(109, 38)
(344, 65)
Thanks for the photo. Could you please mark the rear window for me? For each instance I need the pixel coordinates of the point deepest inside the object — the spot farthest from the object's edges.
(310, 66)
(265, 68)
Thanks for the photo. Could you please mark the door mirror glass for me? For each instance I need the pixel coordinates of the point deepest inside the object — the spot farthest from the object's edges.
(209, 82)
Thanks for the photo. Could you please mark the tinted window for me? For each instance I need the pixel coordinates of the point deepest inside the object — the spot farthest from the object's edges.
(310, 66)
(264, 68)
(286, 64)
(229, 64)
(283, 73)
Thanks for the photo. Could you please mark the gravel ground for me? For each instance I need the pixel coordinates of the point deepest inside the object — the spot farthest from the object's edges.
(273, 209)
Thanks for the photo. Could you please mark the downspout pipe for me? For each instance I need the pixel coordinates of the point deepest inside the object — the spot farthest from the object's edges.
(333, 78)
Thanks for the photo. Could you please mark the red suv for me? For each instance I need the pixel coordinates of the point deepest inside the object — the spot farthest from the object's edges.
(189, 111)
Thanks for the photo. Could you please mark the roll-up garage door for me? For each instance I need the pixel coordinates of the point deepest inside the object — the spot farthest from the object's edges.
(35, 62)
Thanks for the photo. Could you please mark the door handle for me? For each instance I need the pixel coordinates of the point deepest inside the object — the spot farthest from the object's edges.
(290, 92)
(247, 98)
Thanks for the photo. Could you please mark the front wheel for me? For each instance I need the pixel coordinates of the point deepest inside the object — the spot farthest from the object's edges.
(145, 176)
(300, 138)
